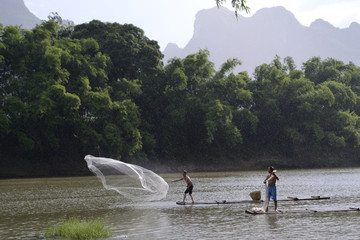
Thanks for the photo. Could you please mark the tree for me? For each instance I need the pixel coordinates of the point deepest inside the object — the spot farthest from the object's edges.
(182, 121)
(320, 71)
(55, 91)
(133, 55)
(227, 103)
(134, 72)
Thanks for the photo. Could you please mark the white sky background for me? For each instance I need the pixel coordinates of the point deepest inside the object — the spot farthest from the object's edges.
(172, 20)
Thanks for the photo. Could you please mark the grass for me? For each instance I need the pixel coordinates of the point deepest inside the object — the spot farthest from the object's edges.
(77, 229)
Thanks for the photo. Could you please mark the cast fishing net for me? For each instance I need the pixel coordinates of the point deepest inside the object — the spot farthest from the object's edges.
(129, 180)
(266, 202)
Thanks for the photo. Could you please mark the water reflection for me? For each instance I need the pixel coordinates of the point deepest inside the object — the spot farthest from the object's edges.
(139, 223)
(271, 220)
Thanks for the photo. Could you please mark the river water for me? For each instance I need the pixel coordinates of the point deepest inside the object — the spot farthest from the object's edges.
(30, 206)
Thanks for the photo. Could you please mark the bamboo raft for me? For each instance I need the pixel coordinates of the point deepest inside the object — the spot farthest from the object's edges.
(249, 211)
(251, 201)
(219, 202)
(303, 199)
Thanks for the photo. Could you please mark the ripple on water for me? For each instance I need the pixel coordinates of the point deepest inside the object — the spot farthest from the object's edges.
(31, 206)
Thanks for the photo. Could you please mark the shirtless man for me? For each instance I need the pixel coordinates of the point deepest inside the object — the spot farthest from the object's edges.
(271, 178)
(189, 187)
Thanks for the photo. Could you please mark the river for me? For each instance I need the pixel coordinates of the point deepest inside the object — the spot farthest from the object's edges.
(30, 206)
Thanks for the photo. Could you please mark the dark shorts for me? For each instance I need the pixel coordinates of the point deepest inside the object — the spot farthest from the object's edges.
(272, 192)
(189, 189)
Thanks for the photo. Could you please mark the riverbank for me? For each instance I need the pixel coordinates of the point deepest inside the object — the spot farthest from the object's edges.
(67, 167)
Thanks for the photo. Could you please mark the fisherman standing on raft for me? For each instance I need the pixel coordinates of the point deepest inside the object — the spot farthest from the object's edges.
(189, 186)
(271, 188)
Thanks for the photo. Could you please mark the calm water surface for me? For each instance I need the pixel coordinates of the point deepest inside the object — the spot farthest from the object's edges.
(30, 206)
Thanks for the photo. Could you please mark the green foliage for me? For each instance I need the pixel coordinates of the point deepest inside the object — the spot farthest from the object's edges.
(198, 70)
(305, 108)
(219, 118)
(74, 228)
(4, 123)
(132, 54)
(101, 88)
(55, 90)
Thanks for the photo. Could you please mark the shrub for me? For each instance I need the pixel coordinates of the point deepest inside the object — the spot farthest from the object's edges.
(74, 228)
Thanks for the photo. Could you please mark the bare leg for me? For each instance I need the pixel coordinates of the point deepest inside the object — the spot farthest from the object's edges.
(275, 205)
(184, 197)
(191, 198)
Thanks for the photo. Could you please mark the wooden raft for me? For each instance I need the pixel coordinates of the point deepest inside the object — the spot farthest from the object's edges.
(303, 199)
(249, 211)
(251, 201)
(218, 202)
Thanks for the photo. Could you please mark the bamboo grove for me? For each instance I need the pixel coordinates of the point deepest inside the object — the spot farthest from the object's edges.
(102, 89)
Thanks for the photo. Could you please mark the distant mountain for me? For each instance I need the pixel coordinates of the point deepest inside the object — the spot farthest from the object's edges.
(14, 12)
(256, 40)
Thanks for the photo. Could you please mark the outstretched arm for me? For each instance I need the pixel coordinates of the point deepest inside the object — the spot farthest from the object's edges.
(177, 180)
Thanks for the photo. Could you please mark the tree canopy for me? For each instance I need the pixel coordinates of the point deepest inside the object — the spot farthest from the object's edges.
(102, 89)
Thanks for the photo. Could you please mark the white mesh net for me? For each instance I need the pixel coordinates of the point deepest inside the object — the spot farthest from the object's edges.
(129, 180)
(266, 203)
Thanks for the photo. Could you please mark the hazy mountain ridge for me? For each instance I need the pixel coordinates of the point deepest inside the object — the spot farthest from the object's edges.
(14, 12)
(256, 40)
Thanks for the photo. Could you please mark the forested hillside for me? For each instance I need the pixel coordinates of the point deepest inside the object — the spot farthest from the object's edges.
(102, 89)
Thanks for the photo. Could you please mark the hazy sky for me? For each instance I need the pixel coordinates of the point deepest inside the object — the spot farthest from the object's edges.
(173, 20)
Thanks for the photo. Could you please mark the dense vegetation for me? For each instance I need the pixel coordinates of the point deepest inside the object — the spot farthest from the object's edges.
(102, 89)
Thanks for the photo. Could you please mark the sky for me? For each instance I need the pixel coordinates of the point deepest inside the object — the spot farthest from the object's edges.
(172, 21)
